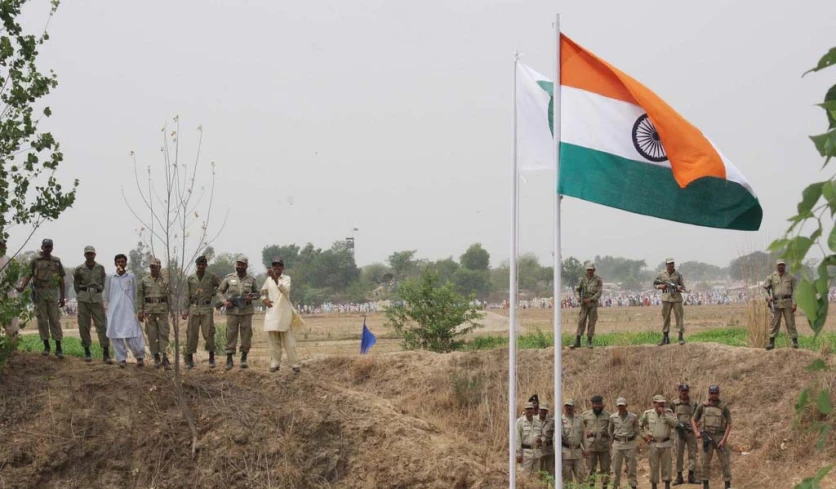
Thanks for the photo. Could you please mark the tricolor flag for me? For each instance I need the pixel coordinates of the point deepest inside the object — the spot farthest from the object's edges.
(622, 146)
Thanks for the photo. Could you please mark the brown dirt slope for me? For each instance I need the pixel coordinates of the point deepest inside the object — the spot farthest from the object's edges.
(400, 420)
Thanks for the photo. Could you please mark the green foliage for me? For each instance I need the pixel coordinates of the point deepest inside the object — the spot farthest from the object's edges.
(403, 263)
(138, 260)
(432, 316)
(70, 346)
(476, 283)
(813, 482)
(223, 264)
(476, 258)
(572, 270)
(318, 275)
(16, 306)
(220, 336)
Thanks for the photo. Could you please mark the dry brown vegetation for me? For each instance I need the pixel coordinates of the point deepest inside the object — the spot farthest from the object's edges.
(400, 420)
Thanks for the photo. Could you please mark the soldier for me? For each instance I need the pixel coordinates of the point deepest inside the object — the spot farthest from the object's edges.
(671, 299)
(536, 401)
(152, 295)
(237, 291)
(49, 274)
(624, 427)
(684, 408)
(714, 419)
(547, 458)
(589, 292)
(658, 424)
(574, 444)
(528, 438)
(781, 288)
(596, 425)
(201, 290)
(88, 283)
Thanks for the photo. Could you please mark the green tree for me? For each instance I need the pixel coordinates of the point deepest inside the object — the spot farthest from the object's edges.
(431, 316)
(403, 263)
(139, 259)
(289, 254)
(223, 264)
(752, 267)
(376, 274)
(476, 283)
(695, 271)
(572, 270)
(476, 258)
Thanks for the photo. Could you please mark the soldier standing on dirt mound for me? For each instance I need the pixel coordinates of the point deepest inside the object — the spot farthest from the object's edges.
(529, 430)
(624, 428)
(49, 275)
(684, 409)
(237, 291)
(781, 288)
(589, 292)
(596, 425)
(671, 300)
(658, 424)
(573, 443)
(152, 296)
(201, 290)
(714, 418)
(547, 446)
(88, 283)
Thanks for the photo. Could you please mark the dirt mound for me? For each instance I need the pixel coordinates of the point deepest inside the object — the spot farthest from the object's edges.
(401, 420)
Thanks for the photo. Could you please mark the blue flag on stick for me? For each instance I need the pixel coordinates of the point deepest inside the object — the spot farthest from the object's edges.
(367, 340)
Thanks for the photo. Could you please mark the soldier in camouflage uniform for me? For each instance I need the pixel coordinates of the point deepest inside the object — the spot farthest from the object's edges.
(201, 289)
(781, 288)
(714, 418)
(657, 424)
(596, 425)
(573, 443)
(48, 273)
(624, 428)
(237, 292)
(529, 432)
(152, 306)
(671, 300)
(589, 292)
(89, 283)
(684, 408)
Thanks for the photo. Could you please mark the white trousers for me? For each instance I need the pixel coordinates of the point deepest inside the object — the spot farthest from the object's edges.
(278, 340)
(137, 346)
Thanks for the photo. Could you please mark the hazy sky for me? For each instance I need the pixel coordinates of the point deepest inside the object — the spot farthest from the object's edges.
(395, 117)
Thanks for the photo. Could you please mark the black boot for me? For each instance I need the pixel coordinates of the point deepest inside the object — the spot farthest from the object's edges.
(577, 342)
(653, 485)
(46, 348)
(589, 342)
(87, 357)
(771, 344)
(189, 361)
(665, 340)
(728, 484)
(705, 484)
(156, 360)
(667, 484)
(106, 356)
(166, 363)
(243, 359)
(228, 361)
(679, 480)
(691, 479)
(211, 359)
(681, 339)
(795, 342)
(58, 352)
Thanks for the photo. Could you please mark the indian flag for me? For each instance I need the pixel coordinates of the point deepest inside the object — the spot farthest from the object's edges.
(622, 146)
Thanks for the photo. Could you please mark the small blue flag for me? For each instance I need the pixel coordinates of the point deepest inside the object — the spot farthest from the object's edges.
(367, 340)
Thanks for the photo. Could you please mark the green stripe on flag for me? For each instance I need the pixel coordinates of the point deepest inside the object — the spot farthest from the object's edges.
(547, 86)
(651, 190)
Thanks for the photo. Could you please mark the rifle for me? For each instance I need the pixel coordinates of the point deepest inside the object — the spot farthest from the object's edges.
(683, 428)
(241, 300)
(771, 299)
(669, 285)
(707, 441)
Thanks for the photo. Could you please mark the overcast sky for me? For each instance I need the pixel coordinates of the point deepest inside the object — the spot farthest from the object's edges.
(395, 117)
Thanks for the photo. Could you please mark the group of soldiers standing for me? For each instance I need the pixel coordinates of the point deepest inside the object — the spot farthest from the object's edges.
(597, 441)
(780, 287)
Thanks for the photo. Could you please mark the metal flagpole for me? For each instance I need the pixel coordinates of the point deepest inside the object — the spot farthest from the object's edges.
(558, 343)
(512, 308)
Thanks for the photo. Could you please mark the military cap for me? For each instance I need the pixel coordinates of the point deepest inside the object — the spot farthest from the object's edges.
(597, 399)
(714, 388)
(684, 387)
(780, 261)
(544, 407)
(529, 405)
(201, 259)
(668, 260)
(277, 261)
(659, 398)
(46, 242)
(155, 262)
(242, 259)
(534, 398)
(89, 249)
(569, 402)
(621, 401)
(590, 266)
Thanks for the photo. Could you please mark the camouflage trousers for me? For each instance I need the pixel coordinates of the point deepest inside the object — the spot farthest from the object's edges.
(92, 313)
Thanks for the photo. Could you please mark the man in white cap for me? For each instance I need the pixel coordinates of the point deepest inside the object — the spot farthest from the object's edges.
(657, 424)
(529, 430)
(781, 289)
(624, 428)
(89, 283)
(236, 293)
(589, 292)
(574, 445)
(671, 283)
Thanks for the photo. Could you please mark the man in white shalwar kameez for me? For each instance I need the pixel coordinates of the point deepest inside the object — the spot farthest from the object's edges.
(280, 318)
(123, 327)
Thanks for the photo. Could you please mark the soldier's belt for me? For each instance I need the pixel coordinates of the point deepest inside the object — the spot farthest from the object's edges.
(90, 289)
(155, 300)
(570, 446)
(624, 438)
(202, 303)
(663, 440)
(712, 432)
(786, 296)
(527, 447)
(596, 435)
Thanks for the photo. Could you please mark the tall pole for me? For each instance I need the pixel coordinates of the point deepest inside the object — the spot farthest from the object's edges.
(558, 337)
(512, 307)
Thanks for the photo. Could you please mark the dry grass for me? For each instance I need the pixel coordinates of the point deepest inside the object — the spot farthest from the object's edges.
(758, 318)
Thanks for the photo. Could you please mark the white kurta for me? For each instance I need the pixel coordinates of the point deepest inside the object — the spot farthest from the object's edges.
(278, 317)
(121, 318)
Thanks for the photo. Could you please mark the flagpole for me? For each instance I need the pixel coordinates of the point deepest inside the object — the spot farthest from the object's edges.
(558, 337)
(512, 307)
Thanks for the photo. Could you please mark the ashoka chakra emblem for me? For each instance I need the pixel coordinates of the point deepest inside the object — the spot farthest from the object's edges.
(646, 140)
